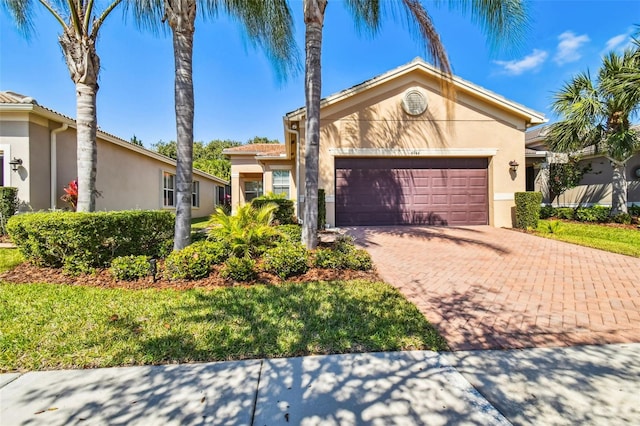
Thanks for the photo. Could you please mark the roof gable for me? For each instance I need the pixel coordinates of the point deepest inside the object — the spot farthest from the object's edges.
(419, 65)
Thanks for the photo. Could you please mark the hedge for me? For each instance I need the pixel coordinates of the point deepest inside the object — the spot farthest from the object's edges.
(285, 213)
(82, 241)
(527, 209)
(8, 206)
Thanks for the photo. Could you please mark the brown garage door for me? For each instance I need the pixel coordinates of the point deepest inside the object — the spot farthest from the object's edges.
(411, 191)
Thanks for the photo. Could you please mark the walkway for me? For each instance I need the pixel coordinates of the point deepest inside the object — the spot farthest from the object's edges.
(490, 288)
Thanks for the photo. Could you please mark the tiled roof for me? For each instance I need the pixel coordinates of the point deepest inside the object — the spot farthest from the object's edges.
(258, 149)
(15, 98)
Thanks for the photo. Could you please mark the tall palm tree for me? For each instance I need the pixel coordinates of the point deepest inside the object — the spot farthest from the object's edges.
(268, 24)
(501, 19)
(597, 113)
(80, 26)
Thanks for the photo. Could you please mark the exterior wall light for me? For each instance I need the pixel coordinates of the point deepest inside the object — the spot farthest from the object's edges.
(513, 165)
(15, 163)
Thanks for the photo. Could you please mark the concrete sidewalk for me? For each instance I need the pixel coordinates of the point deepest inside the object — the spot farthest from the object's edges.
(587, 385)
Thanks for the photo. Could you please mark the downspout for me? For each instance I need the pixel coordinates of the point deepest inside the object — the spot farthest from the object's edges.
(54, 164)
(297, 133)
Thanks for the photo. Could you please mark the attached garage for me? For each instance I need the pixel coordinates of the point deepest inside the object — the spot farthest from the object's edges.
(411, 191)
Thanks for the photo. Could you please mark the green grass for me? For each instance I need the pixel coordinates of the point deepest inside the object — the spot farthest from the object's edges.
(199, 223)
(44, 326)
(616, 240)
(10, 258)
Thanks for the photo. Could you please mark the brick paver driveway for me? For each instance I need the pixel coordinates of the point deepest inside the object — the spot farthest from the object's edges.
(484, 287)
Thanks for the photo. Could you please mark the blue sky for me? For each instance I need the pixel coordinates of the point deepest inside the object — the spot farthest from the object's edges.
(238, 96)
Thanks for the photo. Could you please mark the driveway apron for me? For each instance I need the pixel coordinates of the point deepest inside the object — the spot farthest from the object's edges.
(490, 288)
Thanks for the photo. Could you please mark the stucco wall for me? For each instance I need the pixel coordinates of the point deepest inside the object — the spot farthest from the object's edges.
(375, 120)
(127, 179)
(595, 186)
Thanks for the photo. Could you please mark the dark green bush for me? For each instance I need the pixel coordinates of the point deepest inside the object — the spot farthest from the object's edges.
(285, 213)
(287, 259)
(8, 206)
(322, 209)
(547, 211)
(239, 268)
(83, 241)
(190, 263)
(565, 213)
(344, 255)
(624, 218)
(527, 209)
(634, 210)
(216, 251)
(130, 268)
(592, 214)
(290, 232)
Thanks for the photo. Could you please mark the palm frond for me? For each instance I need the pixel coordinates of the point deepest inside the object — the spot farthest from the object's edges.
(367, 15)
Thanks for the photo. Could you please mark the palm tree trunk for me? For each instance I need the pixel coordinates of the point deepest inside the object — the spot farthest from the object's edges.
(87, 149)
(183, 51)
(314, 18)
(619, 188)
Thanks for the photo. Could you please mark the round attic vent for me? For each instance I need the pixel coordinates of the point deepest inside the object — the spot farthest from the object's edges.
(414, 102)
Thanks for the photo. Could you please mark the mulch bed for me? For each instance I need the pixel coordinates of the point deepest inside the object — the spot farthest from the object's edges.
(27, 273)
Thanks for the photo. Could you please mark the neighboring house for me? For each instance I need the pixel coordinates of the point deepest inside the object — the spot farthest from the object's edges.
(43, 143)
(389, 156)
(595, 186)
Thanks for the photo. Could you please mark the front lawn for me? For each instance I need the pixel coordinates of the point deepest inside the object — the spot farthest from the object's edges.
(45, 326)
(614, 239)
(10, 258)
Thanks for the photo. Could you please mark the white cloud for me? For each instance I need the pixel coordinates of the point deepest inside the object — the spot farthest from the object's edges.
(616, 41)
(567, 50)
(529, 62)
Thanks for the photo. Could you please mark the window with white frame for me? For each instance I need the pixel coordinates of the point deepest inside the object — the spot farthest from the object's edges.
(252, 189)
(195, 195)
(281, 182)
(169, 189)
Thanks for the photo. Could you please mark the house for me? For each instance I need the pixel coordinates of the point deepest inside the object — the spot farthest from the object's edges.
(390, 154)
(595, 186)
(38, 156)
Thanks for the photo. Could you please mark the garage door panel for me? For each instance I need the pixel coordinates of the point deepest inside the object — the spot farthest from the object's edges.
(391, 191)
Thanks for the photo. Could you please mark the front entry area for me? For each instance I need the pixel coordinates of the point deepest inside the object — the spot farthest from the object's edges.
(411, 191)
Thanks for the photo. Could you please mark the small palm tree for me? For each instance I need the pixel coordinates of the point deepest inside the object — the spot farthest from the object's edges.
(268, 24)
(249, 231)
(502, 19)
(597, 113)
(80, 26)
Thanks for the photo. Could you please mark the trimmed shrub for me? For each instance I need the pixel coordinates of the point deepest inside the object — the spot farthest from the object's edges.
(239, 269)
(565, 213)
(547, 211)
(592, 214)
(82, 241)
(290, 232)
(215, 251)
(190, 263)
(634, 210)
(8, 206)
(344, 255)
(130, 268)
(284, 215)
(527, 209)
(322, 209)
(287, 259)
(624, 218)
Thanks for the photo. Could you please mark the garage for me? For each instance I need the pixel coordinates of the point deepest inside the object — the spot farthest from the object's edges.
(411, 191)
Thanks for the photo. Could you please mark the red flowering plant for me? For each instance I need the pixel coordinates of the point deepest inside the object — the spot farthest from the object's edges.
(71, 194)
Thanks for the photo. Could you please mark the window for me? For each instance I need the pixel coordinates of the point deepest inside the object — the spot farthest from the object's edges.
(281, 182)
(169, 191)
(168, 188)
(252, 189)
(195, 195)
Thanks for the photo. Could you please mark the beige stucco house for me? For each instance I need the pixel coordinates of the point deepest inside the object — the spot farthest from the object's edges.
(595, 186)
(41, 144)
(391, 154)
